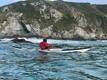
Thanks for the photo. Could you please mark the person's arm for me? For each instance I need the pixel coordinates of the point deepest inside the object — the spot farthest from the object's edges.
(48, 46)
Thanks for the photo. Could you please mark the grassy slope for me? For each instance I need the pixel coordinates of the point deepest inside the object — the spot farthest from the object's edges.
(92, 15)
(68, 22)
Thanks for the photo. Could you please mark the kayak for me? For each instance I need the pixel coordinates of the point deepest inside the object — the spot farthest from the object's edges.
(24, 49)
(66, 50)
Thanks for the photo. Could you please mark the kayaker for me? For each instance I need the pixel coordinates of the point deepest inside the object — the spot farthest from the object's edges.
(44, 45)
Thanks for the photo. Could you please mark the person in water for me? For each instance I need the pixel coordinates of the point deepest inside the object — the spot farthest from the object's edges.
(44, 45)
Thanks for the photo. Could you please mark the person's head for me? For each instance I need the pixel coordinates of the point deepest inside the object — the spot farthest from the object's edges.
(44, 40)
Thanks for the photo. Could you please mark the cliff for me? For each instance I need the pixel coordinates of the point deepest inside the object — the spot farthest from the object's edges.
(54, 19)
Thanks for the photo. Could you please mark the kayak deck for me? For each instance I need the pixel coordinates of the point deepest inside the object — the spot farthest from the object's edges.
(66, 50)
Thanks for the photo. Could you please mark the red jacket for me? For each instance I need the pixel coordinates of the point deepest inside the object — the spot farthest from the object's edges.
(44, 45)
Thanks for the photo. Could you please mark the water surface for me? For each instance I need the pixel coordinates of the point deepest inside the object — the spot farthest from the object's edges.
(18, 63)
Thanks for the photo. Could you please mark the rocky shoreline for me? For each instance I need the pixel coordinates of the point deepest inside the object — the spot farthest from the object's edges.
(48, 24)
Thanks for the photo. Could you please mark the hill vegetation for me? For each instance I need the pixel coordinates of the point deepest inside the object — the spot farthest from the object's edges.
(62, 15)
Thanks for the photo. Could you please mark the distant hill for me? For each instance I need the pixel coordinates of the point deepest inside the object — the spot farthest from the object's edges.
(54, 19)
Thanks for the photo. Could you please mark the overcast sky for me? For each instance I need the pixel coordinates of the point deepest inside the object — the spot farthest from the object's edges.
(6, 2)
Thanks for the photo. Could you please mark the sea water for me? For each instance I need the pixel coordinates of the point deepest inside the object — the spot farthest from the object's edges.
(23, 61)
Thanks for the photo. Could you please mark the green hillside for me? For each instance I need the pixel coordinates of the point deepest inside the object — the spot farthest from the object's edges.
(92, 15)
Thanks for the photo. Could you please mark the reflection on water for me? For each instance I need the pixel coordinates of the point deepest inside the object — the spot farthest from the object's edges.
(27, 64)
(43, 57)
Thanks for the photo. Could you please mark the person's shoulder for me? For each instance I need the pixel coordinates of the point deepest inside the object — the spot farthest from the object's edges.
(41, 42)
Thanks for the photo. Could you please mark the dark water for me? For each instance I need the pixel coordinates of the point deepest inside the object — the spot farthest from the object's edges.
(29, 64)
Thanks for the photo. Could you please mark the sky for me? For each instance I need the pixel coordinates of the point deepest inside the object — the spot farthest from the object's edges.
(6, 2)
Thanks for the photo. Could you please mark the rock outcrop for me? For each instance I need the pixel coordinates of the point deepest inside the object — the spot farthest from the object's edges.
(16, 40)
(56, 19)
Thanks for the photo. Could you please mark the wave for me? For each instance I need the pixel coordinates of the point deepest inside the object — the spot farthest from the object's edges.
(6, 39)
(50, 41)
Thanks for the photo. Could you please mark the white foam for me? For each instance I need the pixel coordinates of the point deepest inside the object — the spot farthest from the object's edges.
(50, 41)
(6, 39)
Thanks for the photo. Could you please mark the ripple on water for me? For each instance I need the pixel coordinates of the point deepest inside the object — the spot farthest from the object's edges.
(16, 64)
